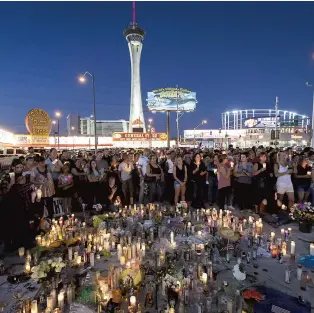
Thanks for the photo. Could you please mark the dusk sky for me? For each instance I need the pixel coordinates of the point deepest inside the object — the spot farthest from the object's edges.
(234, 55)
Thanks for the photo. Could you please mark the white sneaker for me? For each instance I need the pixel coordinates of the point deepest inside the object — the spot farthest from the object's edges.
(231, 208)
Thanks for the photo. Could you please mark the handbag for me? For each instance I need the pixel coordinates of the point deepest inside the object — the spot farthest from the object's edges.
(148, 179)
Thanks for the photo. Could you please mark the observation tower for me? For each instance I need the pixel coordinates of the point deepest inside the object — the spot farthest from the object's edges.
(135, 36)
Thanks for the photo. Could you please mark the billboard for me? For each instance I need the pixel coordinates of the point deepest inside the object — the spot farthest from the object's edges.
(262, 122)
(171, 99)
(139, 136)
(38, 122)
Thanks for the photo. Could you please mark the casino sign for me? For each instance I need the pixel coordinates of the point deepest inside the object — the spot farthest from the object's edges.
(38, 122)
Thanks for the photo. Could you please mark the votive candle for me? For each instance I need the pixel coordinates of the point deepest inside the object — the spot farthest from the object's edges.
(312, 249)
(292, 248)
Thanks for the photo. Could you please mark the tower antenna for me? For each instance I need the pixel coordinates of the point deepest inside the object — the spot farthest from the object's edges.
(133, 13)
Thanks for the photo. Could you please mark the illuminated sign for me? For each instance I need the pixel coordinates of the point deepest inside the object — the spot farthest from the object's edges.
(262, 122)
(171, 99)
(139, 136)
(38, 122)
(6, 137)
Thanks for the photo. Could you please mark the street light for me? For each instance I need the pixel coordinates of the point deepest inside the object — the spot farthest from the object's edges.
(73, 128)
(58, 115)
(202, 123)
(54, 130)
(150, 120)
(312, 139)
(82, 79)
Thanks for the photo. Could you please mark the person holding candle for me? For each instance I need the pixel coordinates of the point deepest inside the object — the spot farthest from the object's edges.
(243, 172)
(263, 194)
(224, 183)
(43, 180)
(125, 169)
(283, 172)
(154, 175)
(302, 179)
(113, 195)
(65, 185)
(180, 176)
(198, 178)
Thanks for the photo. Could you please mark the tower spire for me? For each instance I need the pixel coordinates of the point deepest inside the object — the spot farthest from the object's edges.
(133, 13)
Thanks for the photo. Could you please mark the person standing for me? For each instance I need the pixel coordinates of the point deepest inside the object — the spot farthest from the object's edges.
(198, 178)
(142, 166)
(283, 171)
(180, 176)
(125, 170)
(42, 179)
(169, 181)
(153, 177)
(243, 172)
(224, 182)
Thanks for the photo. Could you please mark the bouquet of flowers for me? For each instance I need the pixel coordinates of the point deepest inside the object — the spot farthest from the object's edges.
(46, 267)
(302, 212)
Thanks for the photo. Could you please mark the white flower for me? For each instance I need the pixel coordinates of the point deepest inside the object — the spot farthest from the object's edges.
(60, 259)
(49, 261)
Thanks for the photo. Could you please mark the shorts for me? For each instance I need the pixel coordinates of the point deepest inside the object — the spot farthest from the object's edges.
(176, 184)
(305, 189)
(284, 189)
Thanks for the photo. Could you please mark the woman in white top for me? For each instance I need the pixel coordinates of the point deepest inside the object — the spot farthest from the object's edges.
(283, 171)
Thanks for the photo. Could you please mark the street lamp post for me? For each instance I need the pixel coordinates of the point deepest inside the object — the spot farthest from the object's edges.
(58, 115)
(82, 79)
(312, 138)
(150, 120)
(73, 128)
(202, 123)
(54, 130)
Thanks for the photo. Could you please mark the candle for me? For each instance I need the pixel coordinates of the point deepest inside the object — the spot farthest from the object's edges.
(199, 233)
(204, 278)
(264, 165)
(292, 248)
(21, 251)
(70, 253)
(272, 235)
(69, 295)
(34, 306)
(309, 173)
(61, 300)
(27, 267)
(312, 249)
(106, 245)
(282, 231)
(171, 237)
(49, 303)
(231, 164)
(122, 259)
(230, 305)
(38, 240)
(92, 259)
(53, 298)
(143, 249)
(132, 300)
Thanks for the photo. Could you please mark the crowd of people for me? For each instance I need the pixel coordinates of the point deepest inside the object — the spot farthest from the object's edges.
(261, 179)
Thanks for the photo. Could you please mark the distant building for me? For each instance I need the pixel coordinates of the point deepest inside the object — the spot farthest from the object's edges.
(103, 127)
(73, 125)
